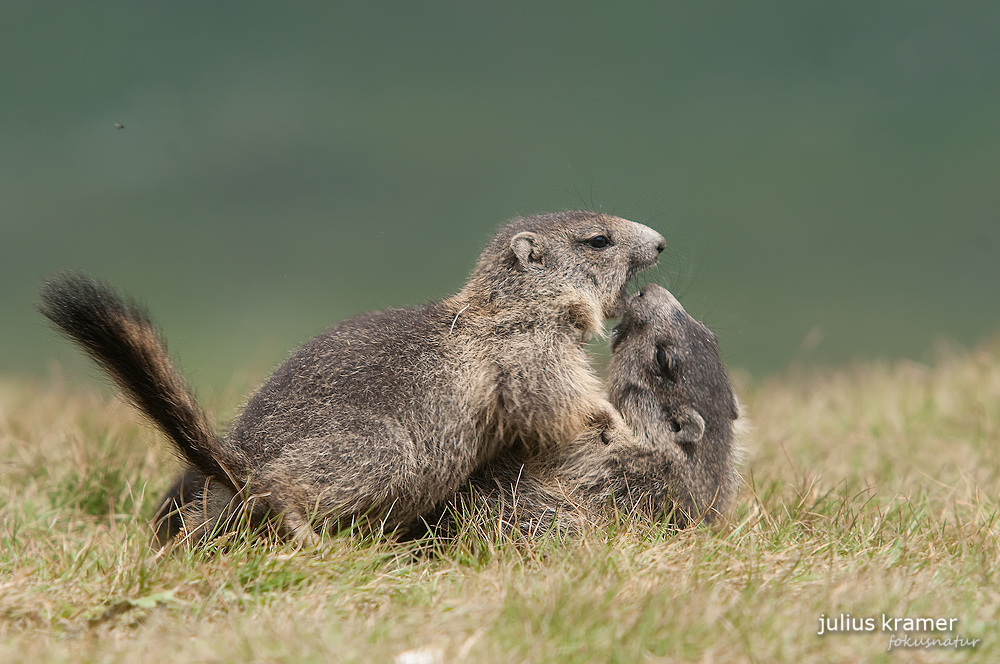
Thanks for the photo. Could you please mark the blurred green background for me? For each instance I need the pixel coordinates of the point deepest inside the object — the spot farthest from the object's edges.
(827, 174)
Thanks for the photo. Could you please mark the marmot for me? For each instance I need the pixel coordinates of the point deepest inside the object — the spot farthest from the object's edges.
(669, 384)
(383, 416)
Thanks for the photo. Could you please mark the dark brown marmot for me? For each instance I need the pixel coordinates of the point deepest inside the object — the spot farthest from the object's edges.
(669, 384)
(383, 416)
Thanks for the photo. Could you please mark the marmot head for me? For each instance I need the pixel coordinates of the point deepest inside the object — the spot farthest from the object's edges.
(670, 385)
(660, 350)
(570, 257)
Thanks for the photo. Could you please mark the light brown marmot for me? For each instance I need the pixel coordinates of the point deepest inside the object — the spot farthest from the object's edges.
(383, 416)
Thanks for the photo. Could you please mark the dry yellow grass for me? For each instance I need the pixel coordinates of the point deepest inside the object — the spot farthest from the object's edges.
(870, 490)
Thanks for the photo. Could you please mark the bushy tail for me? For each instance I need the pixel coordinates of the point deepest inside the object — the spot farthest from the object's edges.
(118, 334)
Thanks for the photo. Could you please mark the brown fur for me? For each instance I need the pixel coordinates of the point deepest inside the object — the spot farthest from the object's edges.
(383, 416)
(669, 384)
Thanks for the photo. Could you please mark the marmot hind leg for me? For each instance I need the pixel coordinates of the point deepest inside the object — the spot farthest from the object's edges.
(199, 508)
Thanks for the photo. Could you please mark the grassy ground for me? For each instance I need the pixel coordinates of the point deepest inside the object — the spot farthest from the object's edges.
(870, 490)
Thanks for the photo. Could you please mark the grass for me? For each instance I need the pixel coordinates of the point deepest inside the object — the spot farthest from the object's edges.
(869, 490)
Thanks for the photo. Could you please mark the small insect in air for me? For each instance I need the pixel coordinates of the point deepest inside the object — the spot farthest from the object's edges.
(119, 125)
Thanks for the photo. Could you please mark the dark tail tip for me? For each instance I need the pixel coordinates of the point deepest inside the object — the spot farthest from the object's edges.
(70, 299)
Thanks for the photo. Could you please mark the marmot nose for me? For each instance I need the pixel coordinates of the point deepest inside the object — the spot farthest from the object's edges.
(648, 239)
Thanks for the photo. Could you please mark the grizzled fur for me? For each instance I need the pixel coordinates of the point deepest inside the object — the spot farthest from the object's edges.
(670, 386)
(383, 416)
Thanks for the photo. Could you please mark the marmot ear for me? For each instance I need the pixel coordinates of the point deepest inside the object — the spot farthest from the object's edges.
(528, 250)
(688, 426)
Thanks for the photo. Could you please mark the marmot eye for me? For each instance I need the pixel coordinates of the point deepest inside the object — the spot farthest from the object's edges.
(667, 364)
(598, 241)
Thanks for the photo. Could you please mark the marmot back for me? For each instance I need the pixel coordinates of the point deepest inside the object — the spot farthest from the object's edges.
(669, 384)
